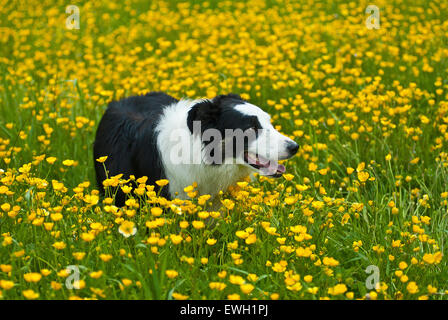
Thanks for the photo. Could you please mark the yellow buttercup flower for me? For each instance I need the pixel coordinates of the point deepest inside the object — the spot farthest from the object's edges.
(101, 159)
(162, 182)
(412, 287)
(6, 268)
(171, 274)
(176, 239)
(211, 242)
(198, 224)
(68, 163)
(79, 255)
(217, 286)
(45, 272)
(251, 239)
(247, 288)
(51, 160)
(234, 279)
(337, 289)
(156, 211)
(179, 296)
(105, 257)
(87, 236)
(32, 277)
(6, 284)
(127, 228)
(331, 262)
(59, 245)
(96, 274)
(363, 176)
(30, 294)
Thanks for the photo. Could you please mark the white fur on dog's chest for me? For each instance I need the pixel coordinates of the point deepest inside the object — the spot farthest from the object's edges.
(210, 179)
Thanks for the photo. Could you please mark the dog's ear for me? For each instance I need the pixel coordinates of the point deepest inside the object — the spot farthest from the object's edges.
(207, 112)
(231, 97)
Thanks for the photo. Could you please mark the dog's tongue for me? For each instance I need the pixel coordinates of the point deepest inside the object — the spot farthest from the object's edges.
(267, 167)
(272, 168)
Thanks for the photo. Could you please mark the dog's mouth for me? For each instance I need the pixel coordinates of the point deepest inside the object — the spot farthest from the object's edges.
(265, 166)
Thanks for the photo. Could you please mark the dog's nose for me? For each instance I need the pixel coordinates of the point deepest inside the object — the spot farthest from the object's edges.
(292, 148)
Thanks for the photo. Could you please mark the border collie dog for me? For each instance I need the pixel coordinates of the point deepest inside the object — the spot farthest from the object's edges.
(213, 142)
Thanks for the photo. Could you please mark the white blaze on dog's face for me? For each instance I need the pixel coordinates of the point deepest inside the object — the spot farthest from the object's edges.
(269, 146)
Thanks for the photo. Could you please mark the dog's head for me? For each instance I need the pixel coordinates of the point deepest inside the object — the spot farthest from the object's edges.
(233, 130)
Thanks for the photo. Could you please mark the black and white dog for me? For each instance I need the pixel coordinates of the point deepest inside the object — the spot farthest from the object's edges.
(213, 142)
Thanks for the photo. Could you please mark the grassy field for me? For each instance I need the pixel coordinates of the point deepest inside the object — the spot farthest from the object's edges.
(367, 189)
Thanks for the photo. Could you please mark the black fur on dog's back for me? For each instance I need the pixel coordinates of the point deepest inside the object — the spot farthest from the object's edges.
(125, 135)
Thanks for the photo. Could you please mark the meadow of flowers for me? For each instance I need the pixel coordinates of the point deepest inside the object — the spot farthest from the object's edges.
(367, 189)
